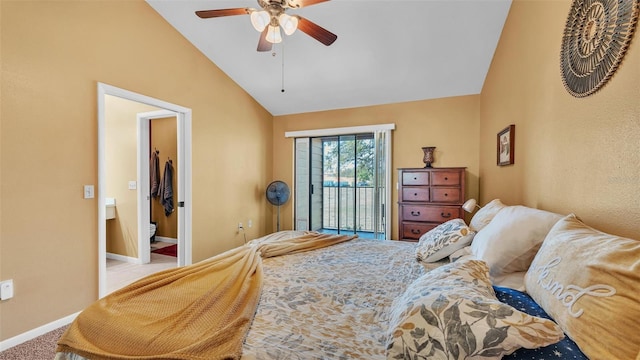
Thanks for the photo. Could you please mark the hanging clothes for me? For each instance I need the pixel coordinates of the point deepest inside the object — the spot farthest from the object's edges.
(154, 172)
(165, 190)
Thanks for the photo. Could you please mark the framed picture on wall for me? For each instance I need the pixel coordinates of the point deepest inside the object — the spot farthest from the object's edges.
(506, 139)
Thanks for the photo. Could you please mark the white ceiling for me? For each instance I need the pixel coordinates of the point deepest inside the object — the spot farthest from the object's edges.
(386, 52)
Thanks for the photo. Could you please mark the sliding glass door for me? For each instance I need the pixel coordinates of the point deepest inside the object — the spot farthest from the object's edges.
(341, 184)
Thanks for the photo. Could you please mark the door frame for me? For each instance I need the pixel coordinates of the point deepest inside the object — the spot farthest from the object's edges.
(388, 128)
(183, 116)
(144, 186)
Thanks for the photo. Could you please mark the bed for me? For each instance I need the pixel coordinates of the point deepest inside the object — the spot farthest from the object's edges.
(372, 299)
(329, 303)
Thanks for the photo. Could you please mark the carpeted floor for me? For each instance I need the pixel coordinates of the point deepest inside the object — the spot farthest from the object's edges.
(41, 348)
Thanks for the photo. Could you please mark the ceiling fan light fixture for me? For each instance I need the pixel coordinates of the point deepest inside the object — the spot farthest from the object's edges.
(289, 23)
(260, 20)
(273, 35)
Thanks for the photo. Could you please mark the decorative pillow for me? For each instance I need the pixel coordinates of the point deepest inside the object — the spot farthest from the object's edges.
(452, 313)
(589, 282)
(443, 240)
(510, 241)
(485, 214)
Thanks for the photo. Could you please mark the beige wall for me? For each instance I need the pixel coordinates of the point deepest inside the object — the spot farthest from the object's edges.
(451, 125)
(53, 55)
(121, 158)
(164, 135)
(571, 155)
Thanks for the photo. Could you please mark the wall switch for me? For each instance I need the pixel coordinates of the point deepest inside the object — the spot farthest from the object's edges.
(88, 192)
(133, 185)
(6, 290)
(249, 223)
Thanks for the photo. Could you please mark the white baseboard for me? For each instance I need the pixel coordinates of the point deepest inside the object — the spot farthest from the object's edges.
(166, 239)
(126, 259)
(32, 334)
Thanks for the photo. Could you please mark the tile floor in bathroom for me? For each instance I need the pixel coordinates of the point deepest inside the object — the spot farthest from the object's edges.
(120, 273)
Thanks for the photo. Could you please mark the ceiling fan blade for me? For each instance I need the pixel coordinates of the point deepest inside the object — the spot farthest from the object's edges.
(206, 14)
(263, 44)
(316, 31)
(302, 3)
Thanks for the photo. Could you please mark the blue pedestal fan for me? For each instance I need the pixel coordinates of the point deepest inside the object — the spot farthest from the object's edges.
(277, 194)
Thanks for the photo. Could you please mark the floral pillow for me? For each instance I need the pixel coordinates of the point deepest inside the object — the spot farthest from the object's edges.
(452, 313)
(443, 240)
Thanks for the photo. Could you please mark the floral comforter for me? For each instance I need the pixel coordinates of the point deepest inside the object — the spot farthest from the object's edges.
(331, 303)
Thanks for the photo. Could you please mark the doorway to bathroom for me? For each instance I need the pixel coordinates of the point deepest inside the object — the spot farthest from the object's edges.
(133, 209)
(161, 130)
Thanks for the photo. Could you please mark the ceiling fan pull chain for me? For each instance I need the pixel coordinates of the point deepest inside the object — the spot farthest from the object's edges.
(282, 45)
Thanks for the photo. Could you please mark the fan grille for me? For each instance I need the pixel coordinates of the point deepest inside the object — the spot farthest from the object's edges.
(278, 193)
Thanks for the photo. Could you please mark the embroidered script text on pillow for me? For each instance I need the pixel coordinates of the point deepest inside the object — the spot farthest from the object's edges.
(568, 294)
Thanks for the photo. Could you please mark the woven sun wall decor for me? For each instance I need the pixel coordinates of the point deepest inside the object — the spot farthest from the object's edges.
(596, 37)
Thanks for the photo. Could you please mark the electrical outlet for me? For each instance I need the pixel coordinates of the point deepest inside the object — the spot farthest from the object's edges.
(6, 290)
(249, 223)
(240, 227)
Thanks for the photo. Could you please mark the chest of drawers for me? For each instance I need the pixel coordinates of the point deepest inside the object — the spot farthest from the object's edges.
(428, 197)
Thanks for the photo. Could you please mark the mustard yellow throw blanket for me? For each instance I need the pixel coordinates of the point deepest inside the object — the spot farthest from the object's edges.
(201, 311)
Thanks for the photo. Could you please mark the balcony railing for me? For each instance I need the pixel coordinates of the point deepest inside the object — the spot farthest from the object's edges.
(339, 204)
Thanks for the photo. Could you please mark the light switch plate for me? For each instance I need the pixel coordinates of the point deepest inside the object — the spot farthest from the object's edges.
(133, 185)
(88, 192)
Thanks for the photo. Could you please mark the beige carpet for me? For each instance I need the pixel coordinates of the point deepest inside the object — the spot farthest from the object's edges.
(41, 348)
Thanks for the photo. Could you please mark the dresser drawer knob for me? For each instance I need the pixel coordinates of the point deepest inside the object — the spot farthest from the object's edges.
(415, 213)
(415, 231)
(446, 178)
(447, 215)
(415, 194)
(445, 194)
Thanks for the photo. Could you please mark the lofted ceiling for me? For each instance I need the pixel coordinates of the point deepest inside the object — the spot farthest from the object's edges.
(386, 51)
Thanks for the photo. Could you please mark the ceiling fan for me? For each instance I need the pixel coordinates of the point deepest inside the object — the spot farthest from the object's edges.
(272, 17)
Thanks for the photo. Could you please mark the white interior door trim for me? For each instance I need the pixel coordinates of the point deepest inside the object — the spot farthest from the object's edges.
(185, 249)
(184, 187)
(144, 197)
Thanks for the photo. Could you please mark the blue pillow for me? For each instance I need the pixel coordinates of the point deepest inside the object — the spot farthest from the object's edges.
(565, 349)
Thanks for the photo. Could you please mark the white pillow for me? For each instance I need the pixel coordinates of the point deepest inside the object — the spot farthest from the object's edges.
(443, 240)
(511, 240)
(514, 280)
(485, 214)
